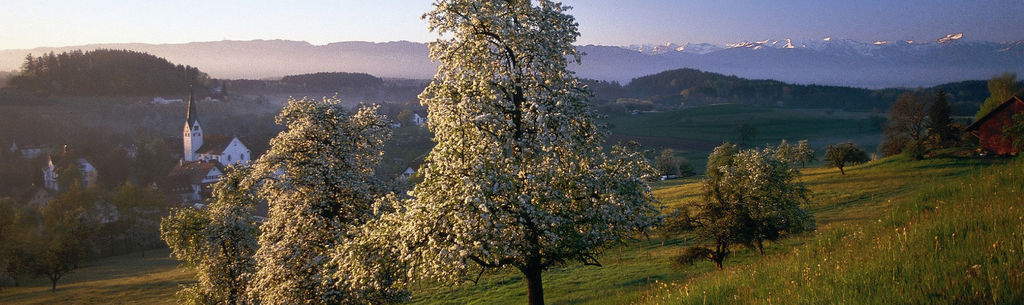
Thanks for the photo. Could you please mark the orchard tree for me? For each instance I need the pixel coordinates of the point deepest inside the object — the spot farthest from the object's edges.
(63, 241)
(318, 179)
(804, 153)
(843, 154)
(785, 152)
(217, 241)
(518, 177)
(750, 197)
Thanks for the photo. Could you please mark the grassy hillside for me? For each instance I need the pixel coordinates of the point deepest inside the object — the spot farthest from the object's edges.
(886, 235)
(875, 197)
(949, 241)
(128, 279)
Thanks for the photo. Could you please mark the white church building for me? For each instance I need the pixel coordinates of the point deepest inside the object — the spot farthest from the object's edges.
(203, 160)
(201, 148)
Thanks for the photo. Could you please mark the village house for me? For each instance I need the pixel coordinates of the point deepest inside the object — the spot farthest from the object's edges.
(51, 173)
(30, 151)
(409, 171)
(418, 120)
(989, 128)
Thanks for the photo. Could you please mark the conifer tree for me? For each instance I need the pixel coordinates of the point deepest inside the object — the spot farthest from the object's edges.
(939, 121)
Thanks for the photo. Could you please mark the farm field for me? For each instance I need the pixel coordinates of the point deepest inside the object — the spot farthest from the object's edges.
(694, 132)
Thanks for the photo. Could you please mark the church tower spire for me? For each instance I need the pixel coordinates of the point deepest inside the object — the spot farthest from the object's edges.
(190, 116)
(192, 135)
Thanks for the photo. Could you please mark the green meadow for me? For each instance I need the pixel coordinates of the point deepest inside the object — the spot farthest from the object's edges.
(895, 230)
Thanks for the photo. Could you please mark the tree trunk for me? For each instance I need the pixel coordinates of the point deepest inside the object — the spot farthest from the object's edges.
(534, 286)
(53, 285)
(760, 246)
(841, 171)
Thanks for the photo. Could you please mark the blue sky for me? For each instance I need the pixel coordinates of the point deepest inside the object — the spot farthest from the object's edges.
(27, 24)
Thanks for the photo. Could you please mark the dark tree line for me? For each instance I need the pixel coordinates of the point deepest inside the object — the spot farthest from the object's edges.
(103, 73)
(349, 87)
(690, 87)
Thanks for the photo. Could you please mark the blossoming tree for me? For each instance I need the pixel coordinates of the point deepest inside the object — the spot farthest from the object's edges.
(217, 241)
(318, 180)
(518, 177)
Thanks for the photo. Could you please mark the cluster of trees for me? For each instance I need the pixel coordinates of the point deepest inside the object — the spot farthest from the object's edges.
(801, 154)
(518, 179)
(336, 81)
(348, 86)
(750, 197)
(669, 165)
(919, 121)
(103, 73)
(52, 239)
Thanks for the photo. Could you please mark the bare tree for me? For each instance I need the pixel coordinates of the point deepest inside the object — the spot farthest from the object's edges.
(908, 119)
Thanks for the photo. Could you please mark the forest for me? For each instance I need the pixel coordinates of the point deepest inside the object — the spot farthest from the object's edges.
(103, 73)
(683, 88)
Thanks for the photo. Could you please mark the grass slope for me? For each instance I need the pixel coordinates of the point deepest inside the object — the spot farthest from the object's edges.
(864, 200)
(885, 235)
(128, 279)
(958, 238)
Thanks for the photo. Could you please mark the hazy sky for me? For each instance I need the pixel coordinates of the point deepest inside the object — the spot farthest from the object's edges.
(27, 24)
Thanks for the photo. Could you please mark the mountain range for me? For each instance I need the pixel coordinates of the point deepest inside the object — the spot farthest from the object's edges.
(828, 61)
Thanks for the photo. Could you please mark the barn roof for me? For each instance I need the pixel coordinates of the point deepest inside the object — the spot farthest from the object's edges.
(990, 114)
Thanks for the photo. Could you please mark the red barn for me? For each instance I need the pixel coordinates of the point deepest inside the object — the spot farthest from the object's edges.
(989, 128)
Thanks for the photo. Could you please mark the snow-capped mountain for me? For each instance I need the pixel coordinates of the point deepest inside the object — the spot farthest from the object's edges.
(826, 61)
(825, 44)
(830, 60)
(695, 48)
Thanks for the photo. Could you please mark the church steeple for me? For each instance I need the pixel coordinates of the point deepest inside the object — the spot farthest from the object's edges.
(192, 135)
(190, 117)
